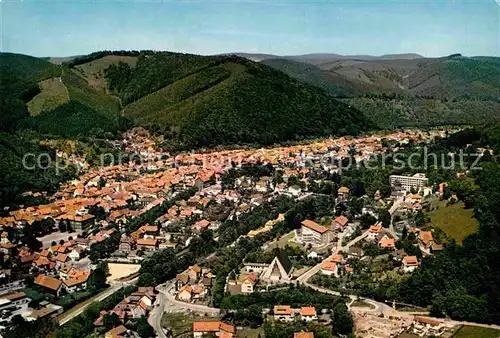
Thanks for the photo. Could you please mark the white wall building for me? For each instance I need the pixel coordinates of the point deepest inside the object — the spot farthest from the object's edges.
(416, 181)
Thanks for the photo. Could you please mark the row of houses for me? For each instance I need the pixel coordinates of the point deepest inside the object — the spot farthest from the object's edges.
(285, 313)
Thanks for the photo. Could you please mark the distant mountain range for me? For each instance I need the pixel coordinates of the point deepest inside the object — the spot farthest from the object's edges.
(195, 101)
(198, 101)
(323, 57)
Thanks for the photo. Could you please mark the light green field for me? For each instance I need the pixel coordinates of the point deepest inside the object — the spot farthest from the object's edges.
(250, 333)
(53, 94)
(360, 303)
(454, 220)
(476, 332)
(287, 240)
(93, 71)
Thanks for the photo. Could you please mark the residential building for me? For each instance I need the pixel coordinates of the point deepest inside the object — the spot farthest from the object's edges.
(355, 252)
(283, 313)
(416, 181)
(50, 284)
(126, 244)
(220, 329)
(339, 223)
(410, 263)
(14, 300)
(193, 273)
(148, 244)
(308, 313)
(330, 268)
(343, 194)
(386, 242)
(373, 232)
(185, 293)
(48, 310)
(426, 238)
(303, 334)
(76, 282)
(243, 285)
(118, 332)
(312, 232)
(76, 253)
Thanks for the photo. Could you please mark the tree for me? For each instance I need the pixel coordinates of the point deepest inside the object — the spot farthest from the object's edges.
(142, 327)
(341, 319)
(146, 279)
(110, 321)
(420, 219)
(18, 320)
(62, 226)
(104, 265)
(367, 220)
(101, 183)
(97, 278)
(384, 217)
(354, 206)
(404, 233)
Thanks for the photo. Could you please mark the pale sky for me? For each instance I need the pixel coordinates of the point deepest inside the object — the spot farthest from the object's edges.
(430, 28)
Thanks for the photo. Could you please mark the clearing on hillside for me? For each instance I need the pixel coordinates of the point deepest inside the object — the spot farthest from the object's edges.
(53, 93)
(93, 71)
(454, 220)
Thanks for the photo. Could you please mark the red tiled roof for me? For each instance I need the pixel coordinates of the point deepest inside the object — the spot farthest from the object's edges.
(314, 226)
(48, 282)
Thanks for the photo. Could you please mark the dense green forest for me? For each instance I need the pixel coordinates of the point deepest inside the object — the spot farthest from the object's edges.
(207, 101)
(19, 77)
(408, 93)
(463, 282)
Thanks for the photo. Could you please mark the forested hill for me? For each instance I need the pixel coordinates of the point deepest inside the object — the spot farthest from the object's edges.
(199, 101)
(408, 92)
(195, 101)
(463, 281)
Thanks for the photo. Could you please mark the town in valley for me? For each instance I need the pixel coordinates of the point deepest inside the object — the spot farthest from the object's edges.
(302, 222)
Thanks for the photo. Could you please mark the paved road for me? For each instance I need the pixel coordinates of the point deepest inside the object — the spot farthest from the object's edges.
(156, 314)
(100, 297)
(115, 286)
(309, 273)
(392, 210)
(166, 299)
(167, 291)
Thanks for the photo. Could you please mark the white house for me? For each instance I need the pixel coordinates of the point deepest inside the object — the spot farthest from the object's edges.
(308, 313)
(312, 232)
(330, 268)
(283, 313)
(410, 263)
(373, 232)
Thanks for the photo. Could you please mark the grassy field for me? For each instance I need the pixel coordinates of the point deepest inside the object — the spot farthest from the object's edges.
(286, 240)
(53, 94)
(94, 71)
(476, 332)
(360, 303)
(454, 220)
(250, 333)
